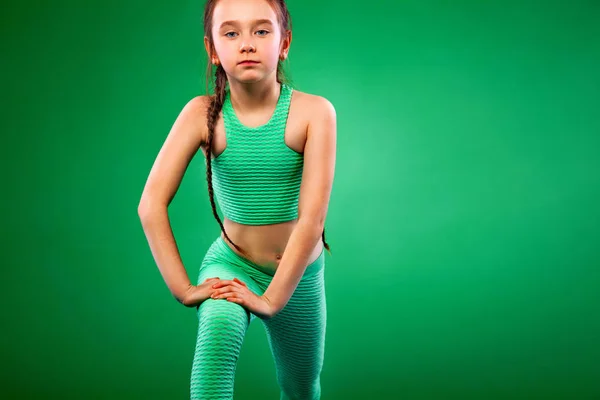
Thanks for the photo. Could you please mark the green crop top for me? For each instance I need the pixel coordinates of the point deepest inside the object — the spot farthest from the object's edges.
(256, 179)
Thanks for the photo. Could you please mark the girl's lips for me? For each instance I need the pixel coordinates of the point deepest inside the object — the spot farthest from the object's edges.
(249, 62)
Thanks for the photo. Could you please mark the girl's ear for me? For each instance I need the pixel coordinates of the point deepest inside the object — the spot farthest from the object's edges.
(207, 45)
(211, 54)
(285, 45)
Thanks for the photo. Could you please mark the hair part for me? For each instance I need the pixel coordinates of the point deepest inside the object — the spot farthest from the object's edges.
(218, 98)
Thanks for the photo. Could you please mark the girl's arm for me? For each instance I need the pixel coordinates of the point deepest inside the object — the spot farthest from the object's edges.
(315, 191)
(184, 139)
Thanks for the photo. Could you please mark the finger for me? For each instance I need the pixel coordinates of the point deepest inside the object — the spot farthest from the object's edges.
(226, 289)
(223, 295)
(211, 279)
(238, 281)
(224, 282)
(237, 300)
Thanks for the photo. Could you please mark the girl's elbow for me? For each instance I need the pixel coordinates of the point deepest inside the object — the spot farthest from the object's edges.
(148, 206)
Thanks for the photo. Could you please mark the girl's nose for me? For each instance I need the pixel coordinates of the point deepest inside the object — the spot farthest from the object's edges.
(247, 47)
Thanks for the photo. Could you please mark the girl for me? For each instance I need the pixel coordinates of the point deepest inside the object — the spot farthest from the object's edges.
(270, 158)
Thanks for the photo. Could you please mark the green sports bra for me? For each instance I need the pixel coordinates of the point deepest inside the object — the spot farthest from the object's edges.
(256, 179)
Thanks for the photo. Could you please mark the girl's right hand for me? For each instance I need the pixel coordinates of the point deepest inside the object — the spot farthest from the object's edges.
(195, 295)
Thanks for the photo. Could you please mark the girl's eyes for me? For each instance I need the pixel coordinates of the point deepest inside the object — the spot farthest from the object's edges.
(228, 34)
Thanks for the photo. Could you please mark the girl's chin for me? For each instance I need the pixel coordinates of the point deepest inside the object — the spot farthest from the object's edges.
(249, 77)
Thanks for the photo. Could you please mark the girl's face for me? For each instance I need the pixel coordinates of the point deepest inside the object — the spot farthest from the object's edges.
(247, 30)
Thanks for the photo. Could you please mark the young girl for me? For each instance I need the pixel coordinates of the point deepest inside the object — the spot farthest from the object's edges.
(270, 158)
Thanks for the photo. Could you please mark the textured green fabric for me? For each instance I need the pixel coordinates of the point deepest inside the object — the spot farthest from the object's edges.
(256, 179)
(296, 335)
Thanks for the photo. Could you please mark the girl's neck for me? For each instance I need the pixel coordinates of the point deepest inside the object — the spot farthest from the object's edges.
(252, 97)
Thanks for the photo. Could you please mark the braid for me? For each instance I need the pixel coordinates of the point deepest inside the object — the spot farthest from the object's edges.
(216, 104)
(325, 243)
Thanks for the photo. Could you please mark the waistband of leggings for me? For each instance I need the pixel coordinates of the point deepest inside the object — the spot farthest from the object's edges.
(311, 269)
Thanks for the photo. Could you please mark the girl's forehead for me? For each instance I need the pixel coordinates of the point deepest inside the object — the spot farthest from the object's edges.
(242, 11)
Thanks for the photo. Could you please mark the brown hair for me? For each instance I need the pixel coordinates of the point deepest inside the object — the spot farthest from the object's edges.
(217, 100)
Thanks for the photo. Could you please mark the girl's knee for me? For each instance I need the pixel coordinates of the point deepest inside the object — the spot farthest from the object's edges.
(221, 315)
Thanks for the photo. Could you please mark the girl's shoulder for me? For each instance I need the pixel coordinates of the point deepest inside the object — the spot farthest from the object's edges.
(312, 104)
(193, 117)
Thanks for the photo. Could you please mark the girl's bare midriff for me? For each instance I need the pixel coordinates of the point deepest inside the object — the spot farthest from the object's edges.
(264, 244)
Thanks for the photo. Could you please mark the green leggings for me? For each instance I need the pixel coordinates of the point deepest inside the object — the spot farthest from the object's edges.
(296, 335)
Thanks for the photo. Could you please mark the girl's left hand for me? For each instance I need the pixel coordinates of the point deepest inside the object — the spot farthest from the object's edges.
(236, 291)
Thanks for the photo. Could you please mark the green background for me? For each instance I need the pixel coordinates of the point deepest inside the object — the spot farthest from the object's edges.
(462, 223)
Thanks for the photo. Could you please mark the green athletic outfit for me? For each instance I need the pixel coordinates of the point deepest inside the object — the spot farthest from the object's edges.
(256, 181)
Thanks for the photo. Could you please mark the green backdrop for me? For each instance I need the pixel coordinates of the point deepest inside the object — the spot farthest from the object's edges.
(462, 222)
